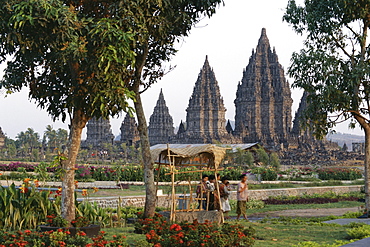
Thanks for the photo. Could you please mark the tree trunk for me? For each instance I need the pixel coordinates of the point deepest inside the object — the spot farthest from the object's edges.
(367, 170)
(78, 122)
(151, 197)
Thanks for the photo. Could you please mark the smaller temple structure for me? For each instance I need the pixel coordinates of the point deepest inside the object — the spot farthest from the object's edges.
(98, 132)
(2, 138)
(129, 132)
(160, 128)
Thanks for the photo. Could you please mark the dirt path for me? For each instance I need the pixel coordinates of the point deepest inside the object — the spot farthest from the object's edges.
(314, 212)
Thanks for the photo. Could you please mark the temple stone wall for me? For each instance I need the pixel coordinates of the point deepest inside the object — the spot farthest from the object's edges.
(164, 201)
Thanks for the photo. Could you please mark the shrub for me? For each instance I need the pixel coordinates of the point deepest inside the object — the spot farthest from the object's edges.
(24, 207)
(29, 238)
(267, 173)
(160, 232)
(339, 173)
(328, 197)
(359, 232)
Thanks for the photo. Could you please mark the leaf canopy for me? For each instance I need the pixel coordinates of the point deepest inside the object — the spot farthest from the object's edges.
(333, 67)
(68, 57)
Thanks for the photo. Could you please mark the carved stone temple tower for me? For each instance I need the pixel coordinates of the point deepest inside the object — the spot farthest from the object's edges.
(160, 128)
(129, 132)
(98, 132)
(298, 118)
(2, 138)
(263, 99)
(205, 119)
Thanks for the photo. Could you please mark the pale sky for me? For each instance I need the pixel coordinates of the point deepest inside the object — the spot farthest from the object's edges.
(227, 38)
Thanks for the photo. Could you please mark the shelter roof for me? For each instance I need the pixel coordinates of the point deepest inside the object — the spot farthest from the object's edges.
(184, 152)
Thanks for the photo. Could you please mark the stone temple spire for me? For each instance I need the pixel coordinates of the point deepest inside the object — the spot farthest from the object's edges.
(263, 99)
(2, 138)
(160, 128)
(98, 132)
(298, 118)
(129, 132)
(205, 119)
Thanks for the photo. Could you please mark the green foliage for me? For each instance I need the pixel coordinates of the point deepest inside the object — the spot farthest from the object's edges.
(262, 156)
(267, 173)
(333, 66)
(359, 232)
(274, 161)
(251, 204)
(159, 230)
(339, 173)
(337, 243)
(58, 238)
(25, 207)
(323, 195)
(243, 157)
(42, 172)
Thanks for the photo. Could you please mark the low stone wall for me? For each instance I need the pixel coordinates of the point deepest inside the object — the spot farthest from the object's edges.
(164, 200)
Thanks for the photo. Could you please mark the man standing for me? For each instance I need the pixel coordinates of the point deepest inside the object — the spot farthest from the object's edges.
(224, 194)
(202, 192)
(242, 197)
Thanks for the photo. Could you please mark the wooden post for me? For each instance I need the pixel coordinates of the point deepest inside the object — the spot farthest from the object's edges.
(218, 193)
(172, 170)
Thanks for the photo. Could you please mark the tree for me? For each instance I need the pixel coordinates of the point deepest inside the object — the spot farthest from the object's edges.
(160, 24)
(262, 156)
(333, 67)
(50, 135)
(73, 56)
(274, 161)
(55, 139)
(28, 141)
(243, 157)
(85, 59)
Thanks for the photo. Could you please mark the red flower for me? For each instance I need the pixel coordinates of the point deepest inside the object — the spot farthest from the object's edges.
(175, 227)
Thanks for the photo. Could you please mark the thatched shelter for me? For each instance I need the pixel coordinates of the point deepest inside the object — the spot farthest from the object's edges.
(200, 158)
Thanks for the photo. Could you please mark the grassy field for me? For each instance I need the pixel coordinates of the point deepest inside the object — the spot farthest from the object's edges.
(279, 234)
(290, 235)
(267, 208)
(276, 235)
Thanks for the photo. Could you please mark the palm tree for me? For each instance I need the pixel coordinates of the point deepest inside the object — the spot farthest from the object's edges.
(51, 137)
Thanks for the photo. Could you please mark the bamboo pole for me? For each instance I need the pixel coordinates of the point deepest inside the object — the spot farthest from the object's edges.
(173, 205)
(218, 195)
(191, 194)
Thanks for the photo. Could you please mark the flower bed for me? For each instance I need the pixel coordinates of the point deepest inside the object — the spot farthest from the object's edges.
(133, 172)
(59, 237)
(339, 173)
(162, 233)
(313, 199)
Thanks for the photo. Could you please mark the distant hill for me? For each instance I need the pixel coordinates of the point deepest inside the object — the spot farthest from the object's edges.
(342, 138)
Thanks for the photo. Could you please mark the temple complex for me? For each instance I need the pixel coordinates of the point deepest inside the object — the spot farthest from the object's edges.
(263, 110)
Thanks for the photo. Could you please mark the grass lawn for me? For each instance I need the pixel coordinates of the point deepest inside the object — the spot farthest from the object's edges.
(279, 235)
(267, 208)
(290, 235)
(274, 234)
